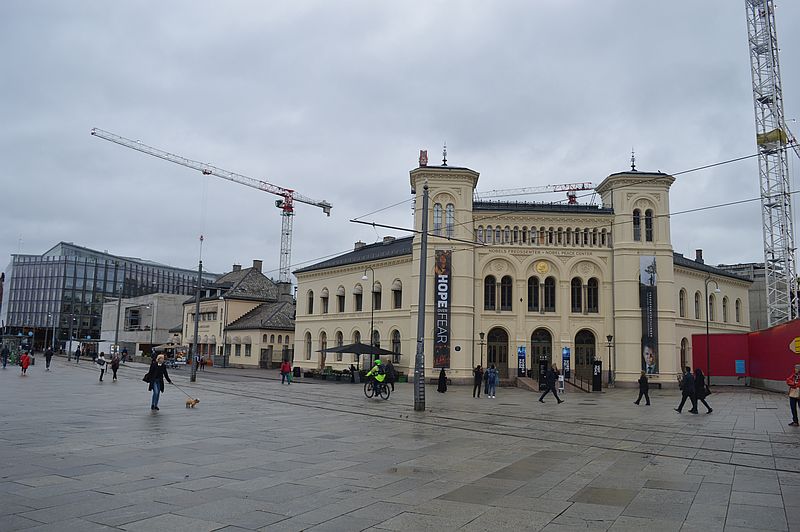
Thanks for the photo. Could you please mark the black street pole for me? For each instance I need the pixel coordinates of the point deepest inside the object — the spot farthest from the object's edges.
(195, 360)
(419, 359)
(119, 305)
(371, 309)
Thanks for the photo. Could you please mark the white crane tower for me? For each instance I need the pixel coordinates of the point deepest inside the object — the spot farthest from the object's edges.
(286, 203)
(772, 140)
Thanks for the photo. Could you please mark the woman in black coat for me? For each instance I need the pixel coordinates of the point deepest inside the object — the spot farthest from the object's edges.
(477, 374)
(644, 388)
(700, 390)
(442, 382)
(155, 376)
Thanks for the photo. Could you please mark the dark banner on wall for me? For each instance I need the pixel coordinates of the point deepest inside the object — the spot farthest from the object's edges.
(441, 334)
(648, 280)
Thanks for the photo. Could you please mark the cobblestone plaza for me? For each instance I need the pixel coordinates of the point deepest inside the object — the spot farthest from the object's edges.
(76, 454)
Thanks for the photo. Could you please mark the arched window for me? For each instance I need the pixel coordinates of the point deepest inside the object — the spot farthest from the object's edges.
(505, 293)
(498, 237)
(533, 294)
(323, 299)
(397, 294)
(265, 340)
(308, 346)
(550, 294)
(479, 234)
(280, 339)
(586, 236)
(487, 236)
(684, 352)
(377, 290)
(356, 337)
(738, 311)
(489, 293)
(450, 219)
(550, 236)
(515, 235)
(568, 236)
(594, 236)
(339, 339)
(576, 289)
(725, 309)
(697, 299)
(648, 225)
(603, 237)
(637, 225)
(311, 302)
(376, 338)
(507, 235)
(437, 218)
(593, 295)
(358, 298)
(396, 345)
(340, 299)
(271, 338)
(323, 344)
(682, 303)
(711, 304)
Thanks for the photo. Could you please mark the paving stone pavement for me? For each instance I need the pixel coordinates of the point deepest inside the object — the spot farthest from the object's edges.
(80, 455)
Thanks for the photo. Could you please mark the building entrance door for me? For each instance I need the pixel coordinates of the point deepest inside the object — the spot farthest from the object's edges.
(585, 351)
(541, 352)
(497, 351)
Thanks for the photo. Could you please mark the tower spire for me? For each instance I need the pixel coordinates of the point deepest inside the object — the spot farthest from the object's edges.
(444, 154)
(633, 160)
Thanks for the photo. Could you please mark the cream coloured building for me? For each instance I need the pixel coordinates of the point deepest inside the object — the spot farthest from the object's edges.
(524, 278)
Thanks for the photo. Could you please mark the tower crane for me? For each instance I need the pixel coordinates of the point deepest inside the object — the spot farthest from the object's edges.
(772, 140)
(285, 204)
(569, 188)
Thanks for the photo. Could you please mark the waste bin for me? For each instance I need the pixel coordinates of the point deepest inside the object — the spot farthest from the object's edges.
(297, 372)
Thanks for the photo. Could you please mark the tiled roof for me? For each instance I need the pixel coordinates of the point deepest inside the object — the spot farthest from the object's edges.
(247, 283)
(370, 252)
(274, 315)
(679, 260)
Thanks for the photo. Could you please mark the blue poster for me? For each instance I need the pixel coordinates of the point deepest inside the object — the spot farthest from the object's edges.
(565, 366)
(740, 367)
(521, 366)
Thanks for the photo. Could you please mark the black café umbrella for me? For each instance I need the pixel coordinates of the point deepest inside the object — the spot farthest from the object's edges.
(359, 349)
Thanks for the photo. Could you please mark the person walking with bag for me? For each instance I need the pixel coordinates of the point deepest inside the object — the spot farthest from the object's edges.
(115, 365)
(701, 391)
(48, 356)
(477, 379)
(550, 379)
(491, 381)
(687, 391)
(793, 382)
(155, 377)
(101, 361)
(644, 388)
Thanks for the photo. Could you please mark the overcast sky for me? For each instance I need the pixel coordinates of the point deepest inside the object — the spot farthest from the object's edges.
(335, 100)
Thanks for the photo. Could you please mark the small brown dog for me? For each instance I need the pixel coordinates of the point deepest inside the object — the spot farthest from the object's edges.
(191, 402)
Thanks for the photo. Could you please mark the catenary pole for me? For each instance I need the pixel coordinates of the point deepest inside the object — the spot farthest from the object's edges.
(419, 360)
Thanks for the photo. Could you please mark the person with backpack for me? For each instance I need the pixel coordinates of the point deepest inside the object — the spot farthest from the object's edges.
(101, 361)
(391, 374)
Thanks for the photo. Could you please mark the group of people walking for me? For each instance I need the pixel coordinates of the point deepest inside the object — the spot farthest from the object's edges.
(489, 379)
(693, 387)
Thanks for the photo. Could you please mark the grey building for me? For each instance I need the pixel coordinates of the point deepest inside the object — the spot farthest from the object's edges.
(757, 294)
(60, 293)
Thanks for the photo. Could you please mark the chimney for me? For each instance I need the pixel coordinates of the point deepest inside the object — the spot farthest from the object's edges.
(423, 157)
(237, 267)
(257, 265)
(698, 256)
(388, 240)
(358, 245)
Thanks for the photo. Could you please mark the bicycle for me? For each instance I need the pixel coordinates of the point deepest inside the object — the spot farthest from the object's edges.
(373, 388)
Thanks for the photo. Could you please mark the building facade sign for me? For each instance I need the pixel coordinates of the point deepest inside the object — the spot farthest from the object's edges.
(648, 280)
(442, 281)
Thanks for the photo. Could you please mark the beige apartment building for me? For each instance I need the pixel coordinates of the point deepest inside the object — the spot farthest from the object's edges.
(515, 283)
(246, 320)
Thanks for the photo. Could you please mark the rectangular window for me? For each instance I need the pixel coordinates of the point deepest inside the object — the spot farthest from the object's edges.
(340, 303)
(376, 300)
(247, 350)
(238, 350)
(324, 305)
(358, 302)
(398, 298)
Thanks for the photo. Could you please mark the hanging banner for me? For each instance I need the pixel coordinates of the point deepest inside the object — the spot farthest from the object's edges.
(648, 301)
(521, 365)
(441, 335)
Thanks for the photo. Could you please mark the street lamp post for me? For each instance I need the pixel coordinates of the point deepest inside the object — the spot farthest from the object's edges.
(419, 358)
(610, 371)
(371, 305)
(194, 353)
(708, 340)
(481, 334)
(47, 329)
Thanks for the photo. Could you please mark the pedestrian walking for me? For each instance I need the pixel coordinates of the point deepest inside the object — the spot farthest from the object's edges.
(687, 391)
(77, 354)
(4, 355)
(101, 361)
(48, 356)
(550, 378)
(644, 388)
(701, 390)
(492, 378)
(477, 375)
(391, 374)
(442, 388)
(155, 377)
(124, 354)
(25, 361)
(202, 363)
(793, 382)
(115, 359)
(286, 372)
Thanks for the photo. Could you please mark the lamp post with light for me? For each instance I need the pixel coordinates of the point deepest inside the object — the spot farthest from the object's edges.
(610, 370)
(708, 340)
(371, 306)
(481, 335)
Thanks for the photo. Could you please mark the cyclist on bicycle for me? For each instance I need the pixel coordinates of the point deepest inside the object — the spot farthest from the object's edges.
(377, 373)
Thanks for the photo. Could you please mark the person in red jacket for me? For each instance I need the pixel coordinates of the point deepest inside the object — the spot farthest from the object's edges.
(286, 372)
(793, 381)
(25, 361)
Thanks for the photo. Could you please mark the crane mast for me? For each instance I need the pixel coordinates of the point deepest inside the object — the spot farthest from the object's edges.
(772, 138)
(286, 203)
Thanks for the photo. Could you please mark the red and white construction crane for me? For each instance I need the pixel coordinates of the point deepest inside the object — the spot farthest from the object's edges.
(569, 188)
(286, 203)
(773, 139)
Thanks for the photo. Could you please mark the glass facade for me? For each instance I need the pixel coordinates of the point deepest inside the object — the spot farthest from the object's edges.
(62, 292)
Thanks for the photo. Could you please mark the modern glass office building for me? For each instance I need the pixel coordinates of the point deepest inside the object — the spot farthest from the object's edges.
(60, 293)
